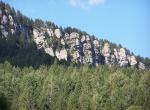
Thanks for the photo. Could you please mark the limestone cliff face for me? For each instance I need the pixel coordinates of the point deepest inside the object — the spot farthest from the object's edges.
(70, 46)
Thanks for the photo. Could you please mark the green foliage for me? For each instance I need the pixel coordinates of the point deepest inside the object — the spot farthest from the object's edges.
(38, 23)
(60, 87)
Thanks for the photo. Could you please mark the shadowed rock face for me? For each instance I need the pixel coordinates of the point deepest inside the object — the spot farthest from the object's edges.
(141, 66)
(81, 48)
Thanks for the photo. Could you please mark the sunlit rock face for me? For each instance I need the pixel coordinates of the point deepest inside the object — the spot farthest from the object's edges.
(132, 60)
(70, 45)
(96, 43)
(4, 20)
(106, 52)
(83, 38)
(62, 54)
(11, 20)
(76, 56)
(62, 41)
(50, 32)
(116, 54)
(49, 51)
(74, 35)
(38, 38)
(58, 33)
(123, 58)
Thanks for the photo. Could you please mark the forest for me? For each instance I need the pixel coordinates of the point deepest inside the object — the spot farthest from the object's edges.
(61, 87)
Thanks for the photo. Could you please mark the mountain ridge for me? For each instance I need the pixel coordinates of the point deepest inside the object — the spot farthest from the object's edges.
(68, 44)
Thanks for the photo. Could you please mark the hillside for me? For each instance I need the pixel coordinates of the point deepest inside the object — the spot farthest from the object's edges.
(69, 44)
(46, 67)
(58, 87)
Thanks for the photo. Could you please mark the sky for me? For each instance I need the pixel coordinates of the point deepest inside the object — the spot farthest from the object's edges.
(125, 22)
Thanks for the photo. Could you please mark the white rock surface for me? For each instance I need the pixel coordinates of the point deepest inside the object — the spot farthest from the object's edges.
(62, 54)
(122, 54)
(96, 43)
(62, 41)
(50, 32)
(133, 61)
(4, 19)
(74, 35)
(35, 33)
(116, 54)
(83, 38)
(57, 33)
(75, 56)
(86, 46)
(38, 38)
(123, 57)
(11, 20)
(106, 50)
(12, 31)
(77, 42)
(49, 51)
(87, 59)
(67, 36)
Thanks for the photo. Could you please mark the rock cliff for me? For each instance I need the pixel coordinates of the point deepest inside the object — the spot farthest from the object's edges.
(65, 44)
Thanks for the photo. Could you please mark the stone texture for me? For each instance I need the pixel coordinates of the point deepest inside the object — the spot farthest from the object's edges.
(132, 60)
(57, 33)
(4, 20)
(106, 52)
(123, 58)
(81, 47)
(76, 56)
(96, 43)
(11, 20)
(49, 51)
(4, 33)
(62, 41)
(38, 38)
(87, 37)
(50, 32)
(141, 66)
(74, 35)
(83, 38)
(12, 31)
(116, 54)
(62, 54)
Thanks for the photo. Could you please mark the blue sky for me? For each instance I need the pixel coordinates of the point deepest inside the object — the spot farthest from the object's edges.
(125, 22)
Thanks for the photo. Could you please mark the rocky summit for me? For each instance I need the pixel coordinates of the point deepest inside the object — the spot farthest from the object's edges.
(68, 44)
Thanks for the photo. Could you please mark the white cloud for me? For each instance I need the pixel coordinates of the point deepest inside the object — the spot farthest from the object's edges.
(85, 4)
(95, 2)
(74, 2)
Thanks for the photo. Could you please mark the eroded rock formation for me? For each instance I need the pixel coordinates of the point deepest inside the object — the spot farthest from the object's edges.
(73, 46)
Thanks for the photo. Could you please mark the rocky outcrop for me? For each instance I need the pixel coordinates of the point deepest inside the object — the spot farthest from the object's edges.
(123, 57)
(50, 32)
(39, 38)
(49, 51)
(132, 60)
(106, 52)
(57, 33)
(141, 66)
(62, 54)
(68, 45)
